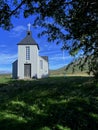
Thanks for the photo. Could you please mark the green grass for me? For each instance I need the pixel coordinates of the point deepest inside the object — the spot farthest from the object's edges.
(55, 103)
(5, 78)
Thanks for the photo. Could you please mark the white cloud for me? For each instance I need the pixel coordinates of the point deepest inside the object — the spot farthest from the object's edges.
(17, 31)
(57, 66)
(60, 57)
(58, 60)
(6, 59)
(5, 70)
(2, 46)
(19, 28)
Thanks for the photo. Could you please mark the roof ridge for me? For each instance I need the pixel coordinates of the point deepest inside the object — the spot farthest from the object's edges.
(28, 40)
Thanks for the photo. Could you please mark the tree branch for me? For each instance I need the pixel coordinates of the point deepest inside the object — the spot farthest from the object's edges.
(12, 12)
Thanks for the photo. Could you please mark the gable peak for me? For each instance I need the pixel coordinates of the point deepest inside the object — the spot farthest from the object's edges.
(29, 33)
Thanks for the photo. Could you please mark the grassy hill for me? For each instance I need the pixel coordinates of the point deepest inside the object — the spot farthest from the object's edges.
(54, 103)
(69, 72)
(5, 78)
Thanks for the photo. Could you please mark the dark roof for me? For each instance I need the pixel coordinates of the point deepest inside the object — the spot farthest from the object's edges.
(45, 57)
(28, 40)
(15, 61)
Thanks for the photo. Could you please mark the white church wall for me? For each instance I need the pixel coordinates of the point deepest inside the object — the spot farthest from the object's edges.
(22, 60)
(43, 68)
(34, 57)
(46, 68)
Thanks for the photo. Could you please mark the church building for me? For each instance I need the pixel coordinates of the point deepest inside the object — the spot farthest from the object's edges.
(29, 64)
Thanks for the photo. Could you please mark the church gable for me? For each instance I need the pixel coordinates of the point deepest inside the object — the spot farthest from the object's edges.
(28, 40)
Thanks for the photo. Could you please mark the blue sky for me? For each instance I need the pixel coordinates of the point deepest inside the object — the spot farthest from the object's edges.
(9, 50)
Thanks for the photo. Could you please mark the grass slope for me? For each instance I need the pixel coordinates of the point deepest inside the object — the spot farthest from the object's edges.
(69, 72)
(55, 103)
(5, 78)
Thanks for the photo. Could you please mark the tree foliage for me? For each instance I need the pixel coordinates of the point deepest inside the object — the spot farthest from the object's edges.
(72, 22)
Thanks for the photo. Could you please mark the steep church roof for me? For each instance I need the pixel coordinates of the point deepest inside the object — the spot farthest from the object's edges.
(45, 57)
(28, 40)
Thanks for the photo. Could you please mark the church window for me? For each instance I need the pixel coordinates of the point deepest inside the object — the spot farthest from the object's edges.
(27, 53)
(41, 64)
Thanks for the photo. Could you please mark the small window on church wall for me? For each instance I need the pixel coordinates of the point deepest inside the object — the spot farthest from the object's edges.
(41, 64)
(27, 53)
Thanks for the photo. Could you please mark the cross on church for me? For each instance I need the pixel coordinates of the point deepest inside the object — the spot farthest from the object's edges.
(29, 26)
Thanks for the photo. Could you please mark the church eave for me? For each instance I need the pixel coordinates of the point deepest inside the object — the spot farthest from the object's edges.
(29, 44)
(45, 58)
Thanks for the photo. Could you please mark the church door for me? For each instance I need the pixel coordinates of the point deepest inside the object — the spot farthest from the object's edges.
(27, 70)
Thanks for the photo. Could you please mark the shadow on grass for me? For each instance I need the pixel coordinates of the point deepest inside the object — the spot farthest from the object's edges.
(55, 103)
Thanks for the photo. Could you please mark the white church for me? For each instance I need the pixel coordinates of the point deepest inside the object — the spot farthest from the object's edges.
(29, 64)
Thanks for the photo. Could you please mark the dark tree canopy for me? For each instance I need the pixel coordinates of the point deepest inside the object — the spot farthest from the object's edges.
(72, 22)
